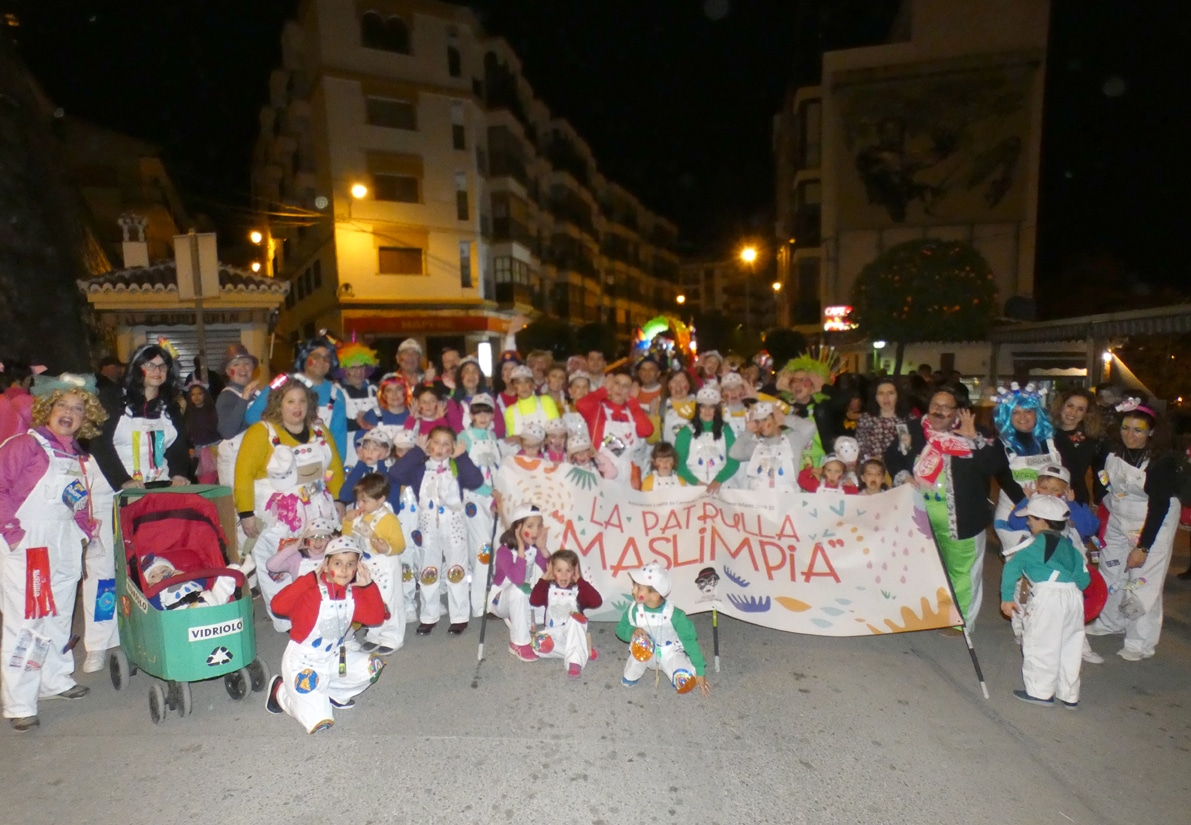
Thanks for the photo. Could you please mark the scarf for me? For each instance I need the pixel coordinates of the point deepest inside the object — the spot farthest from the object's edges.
(939, 445)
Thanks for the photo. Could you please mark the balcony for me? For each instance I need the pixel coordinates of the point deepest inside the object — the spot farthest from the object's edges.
(511, 296)
(504, 164)
(507, 229)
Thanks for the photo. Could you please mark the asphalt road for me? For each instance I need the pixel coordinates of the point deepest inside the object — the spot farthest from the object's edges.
(798, 729)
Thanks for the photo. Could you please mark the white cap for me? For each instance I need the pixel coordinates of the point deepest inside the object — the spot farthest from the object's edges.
(533, 432)
(577, 443)
(732, 379)
(709, 396)
(344, 544)
(321, 527)
(404, 438)
(1050, 508)
(555, 426)
(483, 398)
(830, 457)
(576, 375)
(521, 372)
(1055, 471)
(653, 575)
(410, 343)
(847, 448)
(382, 434)
(760, 411)
(711, 353)
(523, 511)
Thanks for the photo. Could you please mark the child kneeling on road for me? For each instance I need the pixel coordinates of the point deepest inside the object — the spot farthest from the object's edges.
(660, 636)
(318, 671)
(565, 595)
(1052, 619)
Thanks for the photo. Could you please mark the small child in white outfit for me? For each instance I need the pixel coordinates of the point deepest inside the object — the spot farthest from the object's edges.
(565, 595)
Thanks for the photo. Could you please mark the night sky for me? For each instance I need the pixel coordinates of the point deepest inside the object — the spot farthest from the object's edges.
(675, 98)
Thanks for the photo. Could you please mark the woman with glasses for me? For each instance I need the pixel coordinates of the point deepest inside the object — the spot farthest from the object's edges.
(1141, 479)
(315, 361)
(142, 444)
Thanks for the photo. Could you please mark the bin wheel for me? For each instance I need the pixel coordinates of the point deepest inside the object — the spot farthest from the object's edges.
(237, 684)
(259, 672)
(119, 668)
(183, 705)
(157, 705)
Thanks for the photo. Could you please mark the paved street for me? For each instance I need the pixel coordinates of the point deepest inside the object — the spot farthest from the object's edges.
(799, 729)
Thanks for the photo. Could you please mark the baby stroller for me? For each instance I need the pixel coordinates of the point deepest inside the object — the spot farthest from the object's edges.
(181, 525)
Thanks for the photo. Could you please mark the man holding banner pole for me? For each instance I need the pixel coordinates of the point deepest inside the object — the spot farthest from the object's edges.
(951, 462)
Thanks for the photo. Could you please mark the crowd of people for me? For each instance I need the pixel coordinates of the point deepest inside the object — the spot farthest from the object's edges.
(386, 485)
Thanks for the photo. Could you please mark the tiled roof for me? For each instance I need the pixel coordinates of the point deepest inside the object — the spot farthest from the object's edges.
(163, 277)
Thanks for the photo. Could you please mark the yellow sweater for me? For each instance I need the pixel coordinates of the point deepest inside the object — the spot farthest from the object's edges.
(253, 458)
(382, 524)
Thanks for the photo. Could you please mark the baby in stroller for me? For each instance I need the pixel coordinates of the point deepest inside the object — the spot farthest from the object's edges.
(187, 592)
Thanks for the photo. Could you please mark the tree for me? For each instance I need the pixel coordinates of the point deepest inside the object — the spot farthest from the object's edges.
(783, 344)
(558, 337)
(597, 336)
(925, 290)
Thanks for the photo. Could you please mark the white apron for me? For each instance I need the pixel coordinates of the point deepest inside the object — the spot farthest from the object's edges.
(668, 653)
(706, 456)
(621, 444)
(354, 407)
(772, 466)
(563, 634)
(141, 444)
(1025, 471)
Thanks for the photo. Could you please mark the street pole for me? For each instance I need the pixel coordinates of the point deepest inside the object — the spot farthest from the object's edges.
(199, 326)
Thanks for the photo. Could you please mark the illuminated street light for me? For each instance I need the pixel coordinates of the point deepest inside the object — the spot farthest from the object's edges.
(748, 254)
(359, 190)
(878, 345)
(256, 266)
(1106, 356)
(255, 236)
(777, 286)
(681, 299)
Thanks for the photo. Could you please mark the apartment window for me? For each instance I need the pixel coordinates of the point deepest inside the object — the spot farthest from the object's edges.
(461, 210)
(400, 260)
(300, 285)
(458, 129)
(387, 34)
(465, 264)
(308, 282)
(391, 113)
(454, 62)
(401, 188)
(511, 271)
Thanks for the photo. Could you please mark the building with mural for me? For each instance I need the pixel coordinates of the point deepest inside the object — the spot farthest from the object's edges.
(409, 184)
(936, 133)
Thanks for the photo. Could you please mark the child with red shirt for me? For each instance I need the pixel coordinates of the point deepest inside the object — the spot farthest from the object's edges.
(318, 671)
(827, 479)
(565, 595)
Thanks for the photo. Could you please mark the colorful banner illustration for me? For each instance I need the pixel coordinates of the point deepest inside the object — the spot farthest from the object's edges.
(821, 564)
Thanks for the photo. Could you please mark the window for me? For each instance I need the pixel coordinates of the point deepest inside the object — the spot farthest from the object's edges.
(461, 210)
(454, 62)
(465, 264)
(458, 128)
(401, 188)
(299, 284)
(308, 282)
(390, 113)
(390, 35)
(511, 271)
(400, 260)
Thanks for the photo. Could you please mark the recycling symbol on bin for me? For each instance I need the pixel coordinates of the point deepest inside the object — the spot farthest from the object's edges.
(219, 656)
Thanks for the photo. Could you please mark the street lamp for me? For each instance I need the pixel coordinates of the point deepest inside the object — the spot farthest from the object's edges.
(359, 191)
(749, 256)
(255, 236)
(681, 299)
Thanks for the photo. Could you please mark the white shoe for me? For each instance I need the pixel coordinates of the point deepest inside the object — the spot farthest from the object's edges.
(95, 661)
(247, 565)
(1092, 657)
(1133, 655)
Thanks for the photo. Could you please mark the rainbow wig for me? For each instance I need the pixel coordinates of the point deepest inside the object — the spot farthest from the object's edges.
(1026, 399)
(353, 354)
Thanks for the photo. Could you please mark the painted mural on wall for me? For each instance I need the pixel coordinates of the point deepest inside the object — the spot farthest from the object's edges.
(944, 147)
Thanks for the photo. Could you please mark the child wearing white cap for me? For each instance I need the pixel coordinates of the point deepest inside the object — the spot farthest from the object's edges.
(376, 527)
(373, 451)
(770, 450)
(519, 563)
(319, 671)
(188, 592)
(299, 556)
(479, 437)
(661, 637)
(565, 595)
(733, 391)
(529, 408)
(1052, 619)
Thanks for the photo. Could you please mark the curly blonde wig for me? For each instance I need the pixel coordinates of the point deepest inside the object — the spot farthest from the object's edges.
(272, 411)
(94, 416)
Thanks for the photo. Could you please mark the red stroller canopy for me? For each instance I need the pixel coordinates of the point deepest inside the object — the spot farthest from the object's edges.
(182, 528)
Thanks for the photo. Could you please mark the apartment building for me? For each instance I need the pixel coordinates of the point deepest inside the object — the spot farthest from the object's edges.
(410, 184)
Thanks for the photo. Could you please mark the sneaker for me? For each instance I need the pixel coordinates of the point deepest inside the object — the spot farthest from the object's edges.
(271, 703)
(350, 703)
(95, 662)
(1133, 655)
(326, 724)
(628, 682)
(1092, 657)
(595, 654)
(368, 647)
(1034, 700)
(385, 650)
(424, 628)
(1069, 705)
(523, 652)
(574, 671)
(24, 723)
(457, 628)
(75, 692)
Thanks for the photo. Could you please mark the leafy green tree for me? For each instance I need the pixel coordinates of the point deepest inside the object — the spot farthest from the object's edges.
(925, 290)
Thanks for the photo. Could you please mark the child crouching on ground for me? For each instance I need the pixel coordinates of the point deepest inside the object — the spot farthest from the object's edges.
(375, 525)
(519, 562)
(660, 636)
(565, 595)
(318, 671)
(1052, 619)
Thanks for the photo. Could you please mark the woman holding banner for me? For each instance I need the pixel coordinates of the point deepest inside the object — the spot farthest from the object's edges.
(45, 519)
(951, 462)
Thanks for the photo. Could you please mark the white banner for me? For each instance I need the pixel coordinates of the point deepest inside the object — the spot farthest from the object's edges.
(824, 564)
